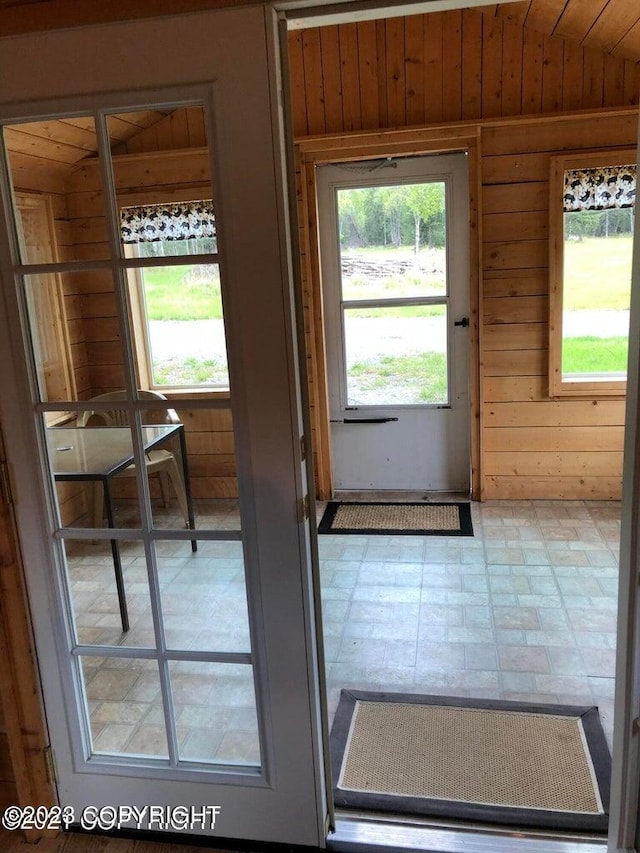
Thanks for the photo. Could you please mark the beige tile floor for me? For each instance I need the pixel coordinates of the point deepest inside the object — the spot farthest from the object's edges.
(204, 605)
(525, 610)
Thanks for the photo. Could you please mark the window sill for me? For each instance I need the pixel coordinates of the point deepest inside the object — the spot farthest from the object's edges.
(589, 390)
(194, 393)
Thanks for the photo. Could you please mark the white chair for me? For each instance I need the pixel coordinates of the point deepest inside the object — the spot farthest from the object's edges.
(162, 462)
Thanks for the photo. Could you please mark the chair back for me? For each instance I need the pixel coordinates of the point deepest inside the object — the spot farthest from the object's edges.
(119, 417)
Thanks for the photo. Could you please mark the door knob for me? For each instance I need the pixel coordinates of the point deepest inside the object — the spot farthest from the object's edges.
(464, 322)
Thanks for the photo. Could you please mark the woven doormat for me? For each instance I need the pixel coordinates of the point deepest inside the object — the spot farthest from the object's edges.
(426, 519)
(463, 759)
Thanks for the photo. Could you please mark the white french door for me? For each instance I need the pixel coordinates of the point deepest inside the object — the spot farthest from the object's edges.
(395, 271)
(178, 664)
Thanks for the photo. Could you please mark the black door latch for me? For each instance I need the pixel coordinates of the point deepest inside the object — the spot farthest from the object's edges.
(464, 322)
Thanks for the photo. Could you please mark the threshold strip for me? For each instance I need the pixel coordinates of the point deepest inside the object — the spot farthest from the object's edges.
(354, 833)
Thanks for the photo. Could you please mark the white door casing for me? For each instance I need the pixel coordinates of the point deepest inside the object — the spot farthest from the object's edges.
(624, 829)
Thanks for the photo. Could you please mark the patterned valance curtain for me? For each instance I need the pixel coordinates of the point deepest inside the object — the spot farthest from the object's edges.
(602, 188)
(185, 220)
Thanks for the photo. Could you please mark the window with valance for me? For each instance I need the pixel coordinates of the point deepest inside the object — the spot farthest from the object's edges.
(592, 208)
(599, 188)
(151, 223)
(176, 307)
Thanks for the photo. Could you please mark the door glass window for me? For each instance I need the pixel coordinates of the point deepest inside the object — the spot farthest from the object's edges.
(156, 596)
(396, 356)
(178, 320)
(169, 213)
(48, 308)
(394, 294)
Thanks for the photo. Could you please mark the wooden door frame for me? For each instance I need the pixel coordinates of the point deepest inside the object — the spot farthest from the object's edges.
(311, 152)
(25, 738)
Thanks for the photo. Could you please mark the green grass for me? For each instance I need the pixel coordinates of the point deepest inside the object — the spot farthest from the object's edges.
(179, 293)
(190, 371)
(597, 277)
(404, 312)
(589, 354)
(423, 375)
(597, 273)
(394, 286)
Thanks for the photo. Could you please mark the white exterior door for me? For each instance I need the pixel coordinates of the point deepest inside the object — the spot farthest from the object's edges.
(203, 694)
(394, 253)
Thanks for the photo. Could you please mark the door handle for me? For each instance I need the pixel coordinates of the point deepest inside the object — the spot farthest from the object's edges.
(464, 322)
(363, 421)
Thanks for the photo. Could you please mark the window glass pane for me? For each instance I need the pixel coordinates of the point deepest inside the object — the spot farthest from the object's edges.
(125, 706)
(396, 356)
(94, 594)
(215, 707)
(51, 336)
(164, 191)
(203, 594)
(167, 311)
(179, 311)
(75, 333)
(94, 475)
(392, 241)
(598, 247)
(166, 210)
(190, 465)
(58, 159)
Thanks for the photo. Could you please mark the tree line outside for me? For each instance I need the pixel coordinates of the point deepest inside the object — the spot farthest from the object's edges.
(392, 245)
(578, 225)
(393, 216)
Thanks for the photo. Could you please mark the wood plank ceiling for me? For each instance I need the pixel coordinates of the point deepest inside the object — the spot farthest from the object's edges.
(64, 143)
(612, 26)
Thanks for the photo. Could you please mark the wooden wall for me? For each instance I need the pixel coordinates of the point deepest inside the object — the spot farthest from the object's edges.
(534, 446)
(163, 162)
(183, 128)
(448, 71)
(23, 738)
(8, 793)
(447, 74)
(154, 172)
(38, 174)
(44, 176)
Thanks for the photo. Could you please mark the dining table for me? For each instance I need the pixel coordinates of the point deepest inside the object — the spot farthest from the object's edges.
(100, 453)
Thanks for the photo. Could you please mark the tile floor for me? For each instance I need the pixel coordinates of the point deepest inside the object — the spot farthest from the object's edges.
(525, 609)
(204, 606)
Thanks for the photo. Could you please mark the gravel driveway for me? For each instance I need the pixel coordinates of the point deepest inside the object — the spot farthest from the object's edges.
(180, 339)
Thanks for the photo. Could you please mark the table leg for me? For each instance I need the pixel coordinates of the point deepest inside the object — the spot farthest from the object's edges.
(117, 562)
(187, 486)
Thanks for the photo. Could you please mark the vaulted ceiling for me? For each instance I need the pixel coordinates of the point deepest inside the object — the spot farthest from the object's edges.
(612, 26)
(70, 140)
(609, 26)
